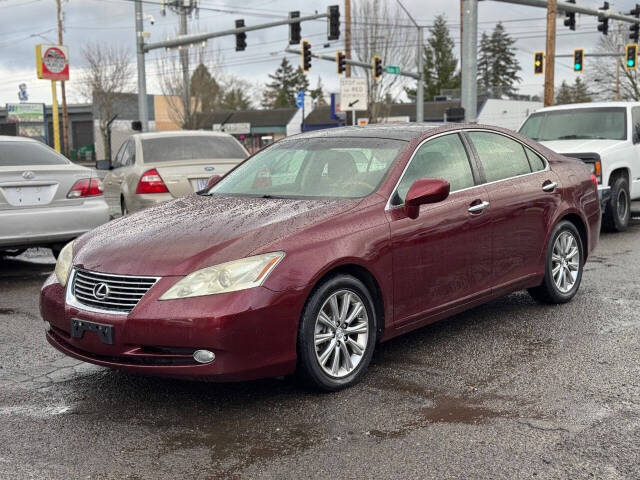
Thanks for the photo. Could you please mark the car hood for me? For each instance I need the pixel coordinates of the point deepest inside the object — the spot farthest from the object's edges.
(581, 146)
(193, 232)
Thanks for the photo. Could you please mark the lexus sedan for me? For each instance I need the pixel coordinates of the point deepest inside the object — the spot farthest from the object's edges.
(155, 167)
(313, 250)
(45, 200)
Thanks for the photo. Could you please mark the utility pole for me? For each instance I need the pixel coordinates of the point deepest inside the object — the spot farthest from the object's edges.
(550, 54)
(184, 59)
(420, 89)
(347, 36)
(618, 67)
(469, 90)
(65, 112)
(143, 111)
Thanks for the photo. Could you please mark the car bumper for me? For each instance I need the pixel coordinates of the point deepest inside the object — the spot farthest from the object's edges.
(252, 333)
(49, 225)
(604, 195)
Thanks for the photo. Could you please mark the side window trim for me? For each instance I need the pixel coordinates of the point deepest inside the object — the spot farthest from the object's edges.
(481, 168)
(472, 165)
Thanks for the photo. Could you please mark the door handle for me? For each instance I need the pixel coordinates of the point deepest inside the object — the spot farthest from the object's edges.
(549, 187)
(478, 208)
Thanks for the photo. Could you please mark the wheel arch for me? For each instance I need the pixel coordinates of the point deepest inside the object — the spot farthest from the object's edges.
(618, 171)
(581, 226)
(365, 275)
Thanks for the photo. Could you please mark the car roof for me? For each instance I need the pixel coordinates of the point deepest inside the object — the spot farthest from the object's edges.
(393, 131)
(11, 138)
(573, 106)
(181, 133)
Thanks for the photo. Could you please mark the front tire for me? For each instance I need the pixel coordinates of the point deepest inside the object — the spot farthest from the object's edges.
(618, 211)
(337, 334)
(564, 265)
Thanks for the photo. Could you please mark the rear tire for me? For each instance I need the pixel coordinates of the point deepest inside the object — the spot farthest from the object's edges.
(564, 264)
(123, 207)
(618, 210)
(337, 334)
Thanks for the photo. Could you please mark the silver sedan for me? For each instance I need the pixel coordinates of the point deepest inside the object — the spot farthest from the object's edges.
(45, 200)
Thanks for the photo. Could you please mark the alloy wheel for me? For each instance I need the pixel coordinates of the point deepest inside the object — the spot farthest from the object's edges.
(341, 333)
(565, 261)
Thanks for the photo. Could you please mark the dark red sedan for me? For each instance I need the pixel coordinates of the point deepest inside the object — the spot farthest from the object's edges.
(315, 249)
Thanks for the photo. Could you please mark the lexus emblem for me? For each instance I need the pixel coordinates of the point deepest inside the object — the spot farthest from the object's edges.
(28, 175)
(101, 291)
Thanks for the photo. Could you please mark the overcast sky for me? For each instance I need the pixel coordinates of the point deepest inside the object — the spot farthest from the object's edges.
(28, 22)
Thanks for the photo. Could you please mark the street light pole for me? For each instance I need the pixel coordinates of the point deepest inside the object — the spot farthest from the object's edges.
(143, 112)
(550, 54)
(420, 89)
(469, 89)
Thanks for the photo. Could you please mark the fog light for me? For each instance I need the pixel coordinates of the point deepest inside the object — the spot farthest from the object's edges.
(47, 326)
(204, 356)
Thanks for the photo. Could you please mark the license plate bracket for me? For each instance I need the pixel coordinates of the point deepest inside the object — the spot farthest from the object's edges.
(104, 332)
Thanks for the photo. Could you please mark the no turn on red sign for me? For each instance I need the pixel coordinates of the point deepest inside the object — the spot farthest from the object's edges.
(52, 62)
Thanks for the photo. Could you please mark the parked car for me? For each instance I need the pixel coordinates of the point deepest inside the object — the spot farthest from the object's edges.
(45, 200)
(152, 168)
(606, 136)
(362, 234)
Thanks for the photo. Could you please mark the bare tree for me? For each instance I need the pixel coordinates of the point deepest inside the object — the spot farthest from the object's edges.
(608, 76)
(381, 28)
(108, 74)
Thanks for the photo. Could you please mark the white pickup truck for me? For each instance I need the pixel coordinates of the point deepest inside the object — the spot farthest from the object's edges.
(606, 136)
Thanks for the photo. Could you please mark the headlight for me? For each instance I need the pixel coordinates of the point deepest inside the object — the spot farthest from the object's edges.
(64, 263)
(227, 277)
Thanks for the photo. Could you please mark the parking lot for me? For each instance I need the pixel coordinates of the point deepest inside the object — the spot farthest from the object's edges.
(511, 389)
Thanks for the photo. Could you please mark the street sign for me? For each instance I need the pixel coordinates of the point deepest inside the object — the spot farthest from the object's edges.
(52, 62)
(394, 69)
(353, 93)
(300, 99)
(233, 128)
(25, 112)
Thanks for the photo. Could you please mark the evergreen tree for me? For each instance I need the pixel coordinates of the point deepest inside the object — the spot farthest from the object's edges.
(498, 66)
(440, 63)
(205, 91)
(580, 92)
(317, 94)
(235, 99)
(286, 82)
(565, 94)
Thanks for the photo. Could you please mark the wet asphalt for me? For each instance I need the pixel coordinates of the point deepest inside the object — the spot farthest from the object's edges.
(508, 390)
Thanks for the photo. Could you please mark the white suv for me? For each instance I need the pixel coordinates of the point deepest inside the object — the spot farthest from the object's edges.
(605, 135)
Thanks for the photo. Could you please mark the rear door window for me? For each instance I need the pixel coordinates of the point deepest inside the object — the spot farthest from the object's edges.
(23, 154)
(501, 157)
(535, 161)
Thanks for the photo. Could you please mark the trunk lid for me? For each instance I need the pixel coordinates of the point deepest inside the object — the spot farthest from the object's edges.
(188, 176)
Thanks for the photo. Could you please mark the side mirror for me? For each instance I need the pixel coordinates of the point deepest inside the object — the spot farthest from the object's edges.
(212, 181)
(103, 164)
(425, 190)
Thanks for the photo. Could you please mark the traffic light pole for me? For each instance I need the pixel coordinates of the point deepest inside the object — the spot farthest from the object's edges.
(469, 87)
(143, 112)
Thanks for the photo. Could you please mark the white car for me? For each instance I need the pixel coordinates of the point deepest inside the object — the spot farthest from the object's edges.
(45, 200)
(605, 135)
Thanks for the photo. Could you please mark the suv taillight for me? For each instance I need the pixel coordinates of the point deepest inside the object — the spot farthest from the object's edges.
(151, 182)
(86, 187)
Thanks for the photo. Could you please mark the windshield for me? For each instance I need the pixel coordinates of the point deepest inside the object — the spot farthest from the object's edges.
(190, 147)
(578, 123)
(314, 167)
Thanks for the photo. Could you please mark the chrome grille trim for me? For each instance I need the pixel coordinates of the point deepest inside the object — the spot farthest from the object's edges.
(125, 291)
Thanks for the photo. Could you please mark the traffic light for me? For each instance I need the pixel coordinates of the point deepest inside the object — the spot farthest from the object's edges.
(570, 21)
(306, 56)
(377, 67)
(578, 60)
(538, 63)
(294, 29)
(241, 38)
(333, 27)
(634, 30)
(341, 61)
(631, 62)
(603, 22)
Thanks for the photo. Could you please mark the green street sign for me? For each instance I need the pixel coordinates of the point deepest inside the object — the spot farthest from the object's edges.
(394, 69)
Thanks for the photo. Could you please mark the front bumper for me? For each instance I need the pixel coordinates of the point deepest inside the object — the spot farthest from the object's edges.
(48, 225)
(253, 333)
(604, 195)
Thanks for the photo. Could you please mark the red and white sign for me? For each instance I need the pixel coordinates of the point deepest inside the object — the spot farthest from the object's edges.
(52, 62)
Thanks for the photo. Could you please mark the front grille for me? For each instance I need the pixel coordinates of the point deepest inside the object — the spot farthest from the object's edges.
(123, 292)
